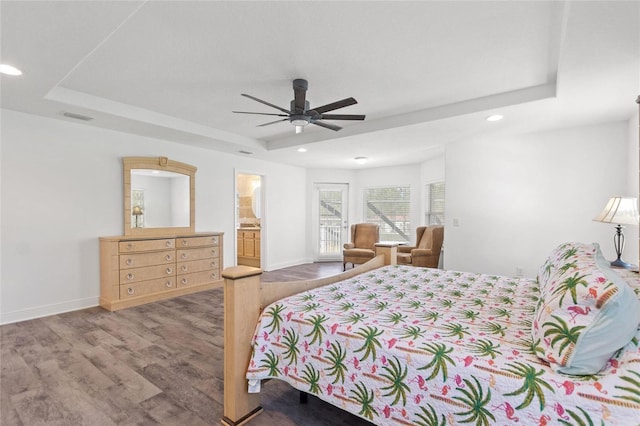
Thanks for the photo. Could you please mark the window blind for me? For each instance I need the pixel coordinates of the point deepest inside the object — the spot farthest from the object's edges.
(435, 213)
(390, 208)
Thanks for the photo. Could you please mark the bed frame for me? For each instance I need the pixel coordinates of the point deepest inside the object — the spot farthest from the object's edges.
(244, 299)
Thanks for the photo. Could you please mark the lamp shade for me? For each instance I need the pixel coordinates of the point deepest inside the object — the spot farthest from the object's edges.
(621, 211)
(137, 211)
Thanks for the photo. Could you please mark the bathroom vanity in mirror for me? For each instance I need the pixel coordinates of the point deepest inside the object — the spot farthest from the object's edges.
(159, 256)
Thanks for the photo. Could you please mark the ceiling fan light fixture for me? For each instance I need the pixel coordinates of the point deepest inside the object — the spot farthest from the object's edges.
(300, 114)
(299, 120)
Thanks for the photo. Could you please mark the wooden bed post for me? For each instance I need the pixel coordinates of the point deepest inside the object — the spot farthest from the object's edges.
(241, 312)
(244, 297)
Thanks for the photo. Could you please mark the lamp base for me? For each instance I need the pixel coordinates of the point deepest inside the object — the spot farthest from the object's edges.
(619, 263)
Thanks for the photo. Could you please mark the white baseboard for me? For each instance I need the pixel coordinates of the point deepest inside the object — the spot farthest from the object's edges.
(281, 265)
(44, 311)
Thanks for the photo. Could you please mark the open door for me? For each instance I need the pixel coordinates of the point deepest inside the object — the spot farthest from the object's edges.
(330, 220)
(249, 219)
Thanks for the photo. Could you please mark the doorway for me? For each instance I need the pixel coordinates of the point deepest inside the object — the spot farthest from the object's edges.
(330, 231)
(249, 219)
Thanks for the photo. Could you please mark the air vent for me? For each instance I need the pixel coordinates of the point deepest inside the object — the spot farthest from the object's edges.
(77, 116)
(242, 151)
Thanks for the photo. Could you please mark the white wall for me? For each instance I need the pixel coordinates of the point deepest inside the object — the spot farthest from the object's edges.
(516, 198)
(62, 189)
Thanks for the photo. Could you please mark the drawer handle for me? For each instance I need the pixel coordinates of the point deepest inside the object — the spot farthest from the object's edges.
(169, 271)
(130, 291)
(129, 276)
(213, 264)
(129, 246)
(129, 261)
(168, 284)
(184, 255)
(184, 281)
(168, 257)
(168, 243)
(214, 275)
(184, 268)
(185, 242)
(213, 252)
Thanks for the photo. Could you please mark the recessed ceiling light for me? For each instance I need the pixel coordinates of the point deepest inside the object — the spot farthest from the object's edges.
(361, 160)
(495, 117)
(9, 70)
(302, 149)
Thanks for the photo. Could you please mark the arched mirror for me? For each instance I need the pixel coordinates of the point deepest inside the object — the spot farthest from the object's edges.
(159, 196)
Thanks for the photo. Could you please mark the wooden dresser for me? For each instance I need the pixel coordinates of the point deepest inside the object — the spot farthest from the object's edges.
(137, 270)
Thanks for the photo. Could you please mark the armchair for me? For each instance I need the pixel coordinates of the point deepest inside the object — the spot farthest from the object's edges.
(364, 236)
(427, 250)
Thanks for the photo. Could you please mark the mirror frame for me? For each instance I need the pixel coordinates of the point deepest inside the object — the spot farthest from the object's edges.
(157, 163)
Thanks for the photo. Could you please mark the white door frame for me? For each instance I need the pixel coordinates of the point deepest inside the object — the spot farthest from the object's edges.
(263, 223)
(315, 220)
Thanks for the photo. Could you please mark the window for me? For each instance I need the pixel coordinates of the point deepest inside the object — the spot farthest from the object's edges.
(435, 204)
(389, 207)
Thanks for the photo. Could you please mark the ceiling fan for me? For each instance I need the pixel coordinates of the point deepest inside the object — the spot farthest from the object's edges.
(300, 114)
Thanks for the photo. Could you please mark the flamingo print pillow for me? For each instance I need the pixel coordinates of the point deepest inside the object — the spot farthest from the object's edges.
(586, 311)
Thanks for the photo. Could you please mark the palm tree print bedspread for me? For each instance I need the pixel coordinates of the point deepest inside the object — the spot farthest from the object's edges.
(419, 346)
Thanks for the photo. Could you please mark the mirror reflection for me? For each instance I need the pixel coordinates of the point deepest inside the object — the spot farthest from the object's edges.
(248, 192)
(159, 199)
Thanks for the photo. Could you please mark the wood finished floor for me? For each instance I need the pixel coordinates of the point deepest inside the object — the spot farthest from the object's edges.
(156, 364)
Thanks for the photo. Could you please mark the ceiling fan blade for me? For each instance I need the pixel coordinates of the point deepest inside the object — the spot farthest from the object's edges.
(272, 122)
(260, 113)
(342, 117)
(300, 92)
(326, 125)
(335, 105)
(265, 102)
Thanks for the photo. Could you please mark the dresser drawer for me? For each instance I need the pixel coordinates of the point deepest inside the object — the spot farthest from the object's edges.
(147, 273)
(187, 280)
(136, 269)
(211, 240)
(137, 260)
(146, 245)
(147, 287)
(198, 265)
(197, 254)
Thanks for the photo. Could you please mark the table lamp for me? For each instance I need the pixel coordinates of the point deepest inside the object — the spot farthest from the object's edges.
(621, 211)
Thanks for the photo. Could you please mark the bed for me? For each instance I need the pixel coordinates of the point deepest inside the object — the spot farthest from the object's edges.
(404, 345)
